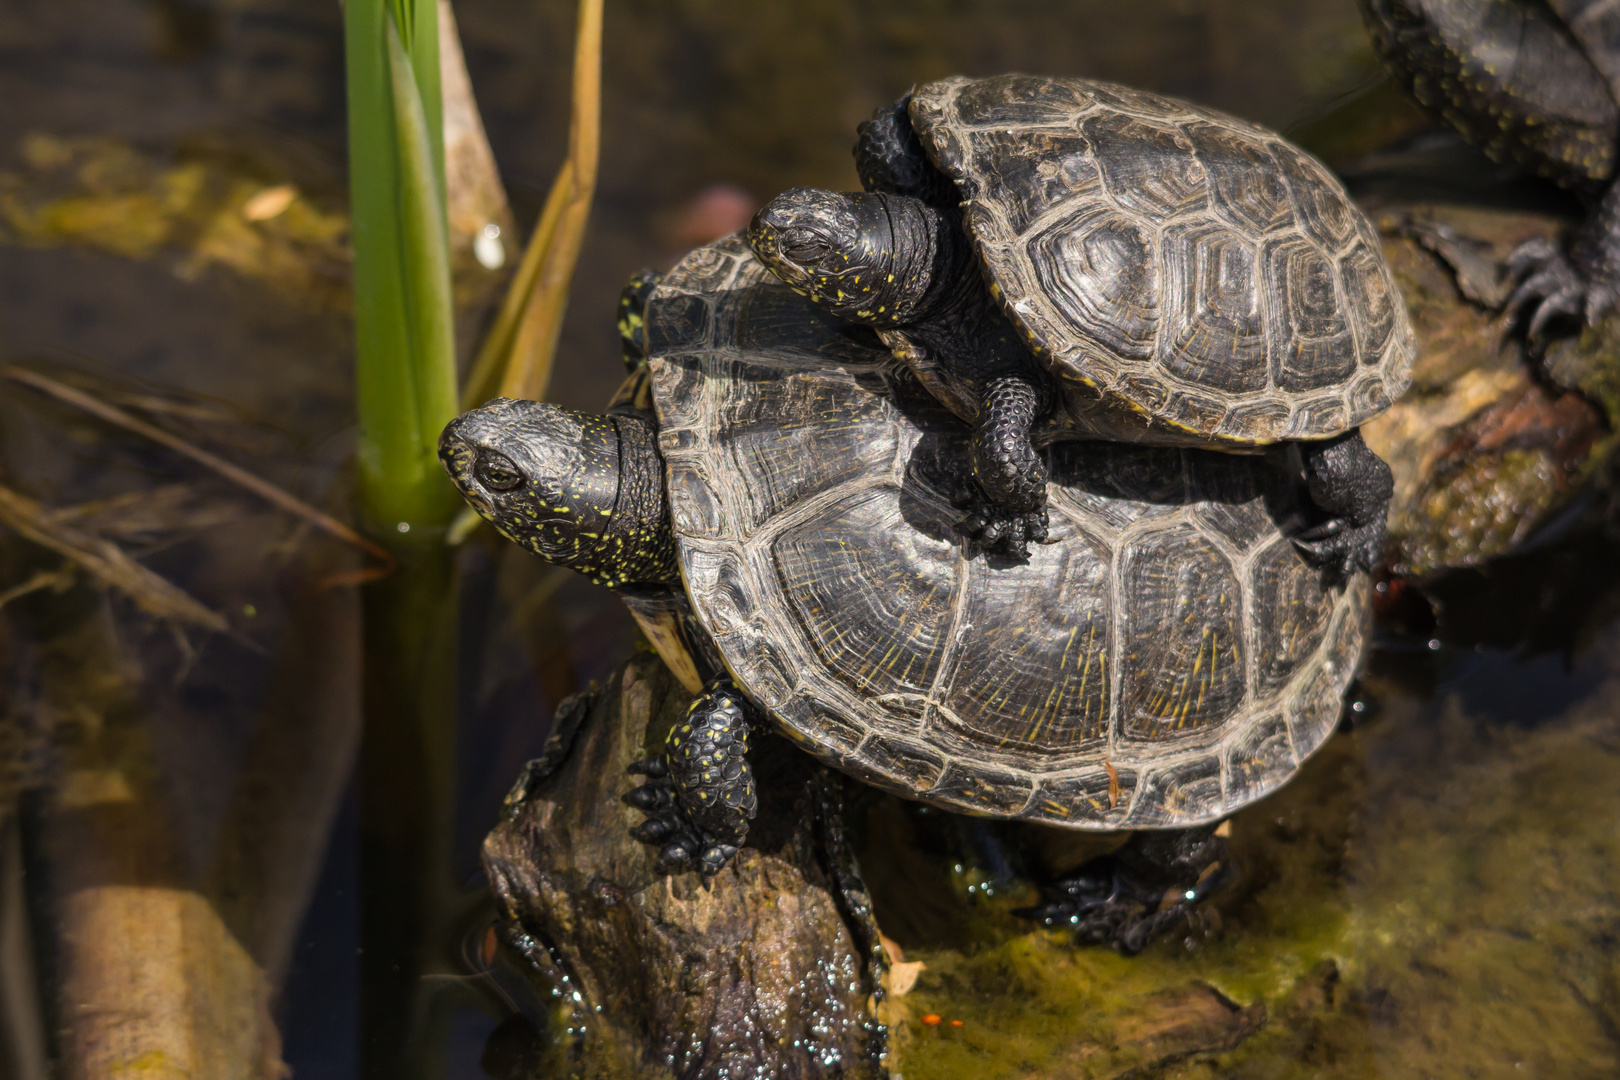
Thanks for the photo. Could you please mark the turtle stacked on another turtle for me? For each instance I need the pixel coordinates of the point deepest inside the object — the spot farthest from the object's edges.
(1065, 259)
(773, 496)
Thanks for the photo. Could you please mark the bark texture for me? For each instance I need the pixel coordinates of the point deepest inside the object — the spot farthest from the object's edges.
(758, 975)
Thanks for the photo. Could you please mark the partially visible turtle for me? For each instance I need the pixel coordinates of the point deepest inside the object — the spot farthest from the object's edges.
(1157, 273)
(772, 496)
(1535, 82)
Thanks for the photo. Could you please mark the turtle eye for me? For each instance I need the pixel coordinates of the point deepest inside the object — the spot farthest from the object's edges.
(804, 245)
(497, 472)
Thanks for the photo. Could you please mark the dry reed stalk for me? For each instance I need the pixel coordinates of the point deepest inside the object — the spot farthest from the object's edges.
(517, 357)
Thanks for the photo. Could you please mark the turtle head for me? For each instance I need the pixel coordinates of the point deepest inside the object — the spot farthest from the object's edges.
(869, 258)
(552, 480)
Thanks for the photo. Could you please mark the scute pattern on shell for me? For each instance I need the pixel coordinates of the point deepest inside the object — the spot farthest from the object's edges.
(1168, 658)
(1199, 267)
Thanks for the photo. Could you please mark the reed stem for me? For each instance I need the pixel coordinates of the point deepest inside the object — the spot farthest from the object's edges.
(406, 393)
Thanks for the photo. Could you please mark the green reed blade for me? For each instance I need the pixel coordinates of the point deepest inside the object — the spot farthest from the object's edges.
(405, 366)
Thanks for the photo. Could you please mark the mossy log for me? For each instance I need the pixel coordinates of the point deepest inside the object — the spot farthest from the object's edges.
(768, 971)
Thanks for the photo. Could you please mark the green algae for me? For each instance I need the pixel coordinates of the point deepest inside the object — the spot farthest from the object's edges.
(1031, 1004)
(1358, 925)
(206, 204)
(1482, 508)
(1483, 896)
(1590, 363)
(1437, 894)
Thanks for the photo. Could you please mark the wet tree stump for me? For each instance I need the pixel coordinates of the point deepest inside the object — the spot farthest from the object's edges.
(759, 974)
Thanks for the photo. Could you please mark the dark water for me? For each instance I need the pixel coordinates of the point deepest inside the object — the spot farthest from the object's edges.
(1452, 853)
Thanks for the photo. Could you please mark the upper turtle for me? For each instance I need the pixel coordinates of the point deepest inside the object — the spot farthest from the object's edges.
(1065, 260)
(1213, 276)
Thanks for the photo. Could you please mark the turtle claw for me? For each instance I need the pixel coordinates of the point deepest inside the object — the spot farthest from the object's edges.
(673, 857)
(1551, 286)
(1010, 534)
(699, 793)
(653, 830)
(1118, 923)
(1351, 488)
(715, 858)
(1099, 908)
(646, 797)
(1126, 899)
(1341, 548)
(1329, 528)
(652, 766)
(681, 844)
(1531, 255)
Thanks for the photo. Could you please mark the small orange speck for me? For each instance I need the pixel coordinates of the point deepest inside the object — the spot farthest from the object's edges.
(932, 1019)
(487, 953)
(956, 1023)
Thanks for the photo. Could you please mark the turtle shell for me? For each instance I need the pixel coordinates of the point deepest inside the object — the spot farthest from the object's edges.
(1167, 658)
(1193, 266)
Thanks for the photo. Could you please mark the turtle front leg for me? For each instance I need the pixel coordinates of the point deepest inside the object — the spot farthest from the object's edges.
(699, 794)
(1009, 470)
(1352, 485)
(889, 158)
(1150, 885)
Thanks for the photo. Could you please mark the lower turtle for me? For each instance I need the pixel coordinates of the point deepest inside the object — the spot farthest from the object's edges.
(774, 497)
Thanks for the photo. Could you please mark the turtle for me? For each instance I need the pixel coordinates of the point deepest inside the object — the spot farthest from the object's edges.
(1537, 83)
(773, 495)
(1062, 258)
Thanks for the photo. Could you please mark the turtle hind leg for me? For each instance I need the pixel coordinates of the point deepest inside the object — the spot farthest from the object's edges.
(1008, 469)
(1352, 485)
(1126, 899)
(699, 794)
(889, 158)
(1577, 284)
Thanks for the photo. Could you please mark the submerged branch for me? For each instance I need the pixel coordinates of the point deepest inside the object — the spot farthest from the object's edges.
(45, 579)
(235, 474)
(107, 562)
